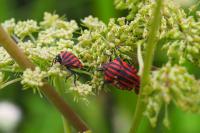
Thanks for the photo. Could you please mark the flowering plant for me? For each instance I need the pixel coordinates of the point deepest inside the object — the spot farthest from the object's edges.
(132, 38)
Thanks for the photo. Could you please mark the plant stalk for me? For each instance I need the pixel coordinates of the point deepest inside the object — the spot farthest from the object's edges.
(151, 44)
(16, 53)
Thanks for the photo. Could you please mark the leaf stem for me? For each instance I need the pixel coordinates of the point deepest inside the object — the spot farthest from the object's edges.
(9, 82)
(140, 59)
(151, 44)
(66, 126)
(16, 53)
(32, 38)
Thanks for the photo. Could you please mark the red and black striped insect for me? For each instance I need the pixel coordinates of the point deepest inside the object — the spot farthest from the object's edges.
(121, 75)
(69, 60)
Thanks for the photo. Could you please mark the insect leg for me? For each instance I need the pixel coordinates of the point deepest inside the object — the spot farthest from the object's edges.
(75, 79)
(72, 73)
(68, 76)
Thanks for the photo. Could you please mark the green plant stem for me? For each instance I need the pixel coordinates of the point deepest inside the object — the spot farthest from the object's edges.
(32, 38)
(151, 44)
(140, 59)
(66, 126)
(9, 83)
(16, 53)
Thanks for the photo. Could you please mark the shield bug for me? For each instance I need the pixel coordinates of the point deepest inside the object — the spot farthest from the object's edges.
(121, 75)
(69, 60)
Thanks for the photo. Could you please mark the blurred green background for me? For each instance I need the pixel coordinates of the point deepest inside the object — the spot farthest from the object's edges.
(109, 112)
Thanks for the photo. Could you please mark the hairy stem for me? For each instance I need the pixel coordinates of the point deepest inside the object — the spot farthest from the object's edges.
(149, 53)
(16, 53)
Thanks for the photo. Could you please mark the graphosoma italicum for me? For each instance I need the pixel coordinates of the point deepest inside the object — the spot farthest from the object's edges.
(69, 60)
(121, 75)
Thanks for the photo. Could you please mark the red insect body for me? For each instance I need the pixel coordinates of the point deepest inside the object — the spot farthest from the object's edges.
(121, 75)
(69, 60)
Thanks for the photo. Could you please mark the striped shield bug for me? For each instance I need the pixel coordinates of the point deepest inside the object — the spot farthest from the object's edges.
(121, 75)
(69, 60)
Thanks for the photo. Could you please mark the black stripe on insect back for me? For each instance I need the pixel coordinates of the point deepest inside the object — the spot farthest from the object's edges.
(67, 56)
(123, 74)
(64, 54)
(120, 76)
(125, 67)
(72, 62)
(128, 70)
(128, 87)
(119, 79)
(69, 59)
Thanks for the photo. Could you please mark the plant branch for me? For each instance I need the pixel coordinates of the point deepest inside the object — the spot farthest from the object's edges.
(17, 54)
(151, 44)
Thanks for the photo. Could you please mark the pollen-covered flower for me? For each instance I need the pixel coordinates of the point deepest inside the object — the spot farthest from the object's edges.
(33, 78)
(24, 28)
(9, 25)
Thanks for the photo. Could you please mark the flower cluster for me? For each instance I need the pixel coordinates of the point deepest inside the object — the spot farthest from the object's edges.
(33, 78)
(56, 71)
(24, 28)
(131, 5)
(81, 90)
(55, 29)
(5, 58)
(171, 84)
(184, 44)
